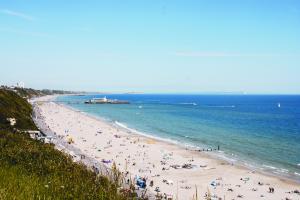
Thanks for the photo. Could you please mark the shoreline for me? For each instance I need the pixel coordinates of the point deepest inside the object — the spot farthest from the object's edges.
(214, 154)
(183, 154)
(189, 147)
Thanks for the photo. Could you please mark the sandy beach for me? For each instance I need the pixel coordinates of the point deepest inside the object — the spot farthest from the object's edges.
(173, 170)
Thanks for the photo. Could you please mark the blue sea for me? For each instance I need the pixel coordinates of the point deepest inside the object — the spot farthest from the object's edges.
(259, 131)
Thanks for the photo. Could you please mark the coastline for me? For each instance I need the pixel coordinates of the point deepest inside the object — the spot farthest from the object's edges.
(185, 147)
(222, 157)
(225, 175)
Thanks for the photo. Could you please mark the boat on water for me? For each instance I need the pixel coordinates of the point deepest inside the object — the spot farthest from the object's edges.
(105, 100)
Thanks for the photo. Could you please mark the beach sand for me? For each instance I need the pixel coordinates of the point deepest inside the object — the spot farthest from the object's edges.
(152, 159)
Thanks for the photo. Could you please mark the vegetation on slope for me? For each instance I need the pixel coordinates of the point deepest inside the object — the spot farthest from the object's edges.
(13, 106)
(30, 93)
(30, 169)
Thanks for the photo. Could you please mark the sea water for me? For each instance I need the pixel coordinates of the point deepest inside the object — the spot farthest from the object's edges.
(259, 131)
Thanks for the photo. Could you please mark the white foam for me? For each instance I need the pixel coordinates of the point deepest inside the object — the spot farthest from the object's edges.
(193, 103)
(284, 171)
(232, 106)
(269, 166)
(122, 125)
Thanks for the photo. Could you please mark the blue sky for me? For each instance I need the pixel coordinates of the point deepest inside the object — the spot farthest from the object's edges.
(152, 45)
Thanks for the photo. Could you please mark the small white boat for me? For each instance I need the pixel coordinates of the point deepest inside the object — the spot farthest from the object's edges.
(278, 105)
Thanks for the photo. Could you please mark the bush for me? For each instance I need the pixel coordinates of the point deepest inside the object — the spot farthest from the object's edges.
(30, 169)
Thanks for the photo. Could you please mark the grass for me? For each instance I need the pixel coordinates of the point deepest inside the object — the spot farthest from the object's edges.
(30, 169)
(12, 105)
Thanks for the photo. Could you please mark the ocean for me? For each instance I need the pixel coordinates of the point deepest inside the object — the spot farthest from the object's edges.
(259, 131)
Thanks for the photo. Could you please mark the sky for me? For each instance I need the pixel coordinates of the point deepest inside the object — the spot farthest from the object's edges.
(152, 46)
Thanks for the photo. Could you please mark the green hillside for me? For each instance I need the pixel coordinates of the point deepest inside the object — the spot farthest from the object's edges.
(13, 106)
(30, 169)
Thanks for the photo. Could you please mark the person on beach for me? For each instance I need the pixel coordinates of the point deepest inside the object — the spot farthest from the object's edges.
(271, 190)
